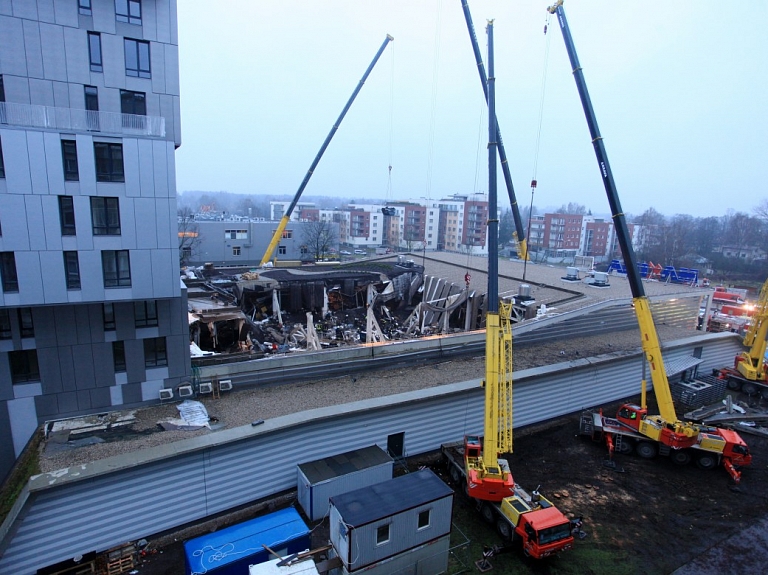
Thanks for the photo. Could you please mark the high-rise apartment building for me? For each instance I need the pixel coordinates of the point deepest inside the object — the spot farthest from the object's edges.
(92, 312)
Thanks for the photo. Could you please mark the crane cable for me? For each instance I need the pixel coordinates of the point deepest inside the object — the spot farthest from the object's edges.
(538, 132)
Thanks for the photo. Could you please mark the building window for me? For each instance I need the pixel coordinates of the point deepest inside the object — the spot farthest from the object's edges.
(134, 103)
(281, 250)
(94, 51)
(85, 7)
(145, 313)
(154, 352)
(382, 534)
(92, 107)
(128, 11)
(105, 213)
(236, 251)
(235, 234)
(67, 215)
(118, 355)
(72, 270)
(5, 324)
(137, 58)
(25, 322)
(8, 276)
(186, 253)
(24, 366)
(116, 266)
(108, 313)
(69, 155)
(423, 521)
(2, 164)
(109, 162)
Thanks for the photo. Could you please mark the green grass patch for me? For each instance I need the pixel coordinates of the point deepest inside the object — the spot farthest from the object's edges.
(26, 466)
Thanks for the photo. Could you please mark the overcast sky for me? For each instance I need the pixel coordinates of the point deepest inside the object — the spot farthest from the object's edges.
(679, 90)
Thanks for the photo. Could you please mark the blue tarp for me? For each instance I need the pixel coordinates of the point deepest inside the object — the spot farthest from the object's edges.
(231, 550)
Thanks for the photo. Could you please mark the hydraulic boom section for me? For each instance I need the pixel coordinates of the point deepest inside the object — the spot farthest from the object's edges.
(287, 215)
(522, 242)
(488, 477)
(666, 428)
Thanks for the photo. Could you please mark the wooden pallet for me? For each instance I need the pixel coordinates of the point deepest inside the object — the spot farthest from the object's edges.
(120, 559)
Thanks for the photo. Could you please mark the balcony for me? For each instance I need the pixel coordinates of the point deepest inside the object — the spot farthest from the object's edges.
(74, 120)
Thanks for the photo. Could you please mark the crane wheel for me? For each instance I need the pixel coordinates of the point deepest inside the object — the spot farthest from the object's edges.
(487, 513)
(681, 456)
(734, 384)
(646, 449)
(627, 446)
(455, 475)
(764, 393)
(706, 461)
(504, 529)
(749, 388)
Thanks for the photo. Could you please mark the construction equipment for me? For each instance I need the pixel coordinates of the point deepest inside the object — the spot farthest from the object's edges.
(486, 477)
(749, 369)
(277, 236)
(520, 237)
(665, 433)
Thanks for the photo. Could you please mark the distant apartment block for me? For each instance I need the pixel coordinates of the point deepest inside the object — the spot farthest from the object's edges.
(92, 313)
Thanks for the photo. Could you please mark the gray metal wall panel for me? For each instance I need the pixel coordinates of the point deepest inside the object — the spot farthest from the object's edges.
(147, 498)
(98, 512)
(429, 559)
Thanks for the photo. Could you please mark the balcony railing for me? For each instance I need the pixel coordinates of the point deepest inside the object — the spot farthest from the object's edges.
(71, 119)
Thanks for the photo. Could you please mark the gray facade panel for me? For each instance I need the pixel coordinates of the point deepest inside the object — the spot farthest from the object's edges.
(134, 360)
(85, 375)
(96, 320)
(46, 406)
(67, 369)
(164, 317)
(83, 323)
(66, 328)
(131, 393)
(84, 400)
(6, 387)
(125, 322)
(177, 347)
(67, 402)
(104, 365)
(99, 398)
(51, 373)
(7, 456)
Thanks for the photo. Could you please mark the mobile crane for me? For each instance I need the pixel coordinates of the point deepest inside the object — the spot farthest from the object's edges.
(664, 433)
(277, 236)
(486, 477)
(749, 371)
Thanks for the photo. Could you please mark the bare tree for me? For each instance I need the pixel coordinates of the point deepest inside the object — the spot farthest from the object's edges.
(572, 208)
(189, 235)
(319, 237)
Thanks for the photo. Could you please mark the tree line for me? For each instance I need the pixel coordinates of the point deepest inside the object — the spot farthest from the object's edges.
(685, 241)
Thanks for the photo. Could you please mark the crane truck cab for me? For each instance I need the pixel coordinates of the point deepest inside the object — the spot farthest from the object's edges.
(541, 527)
